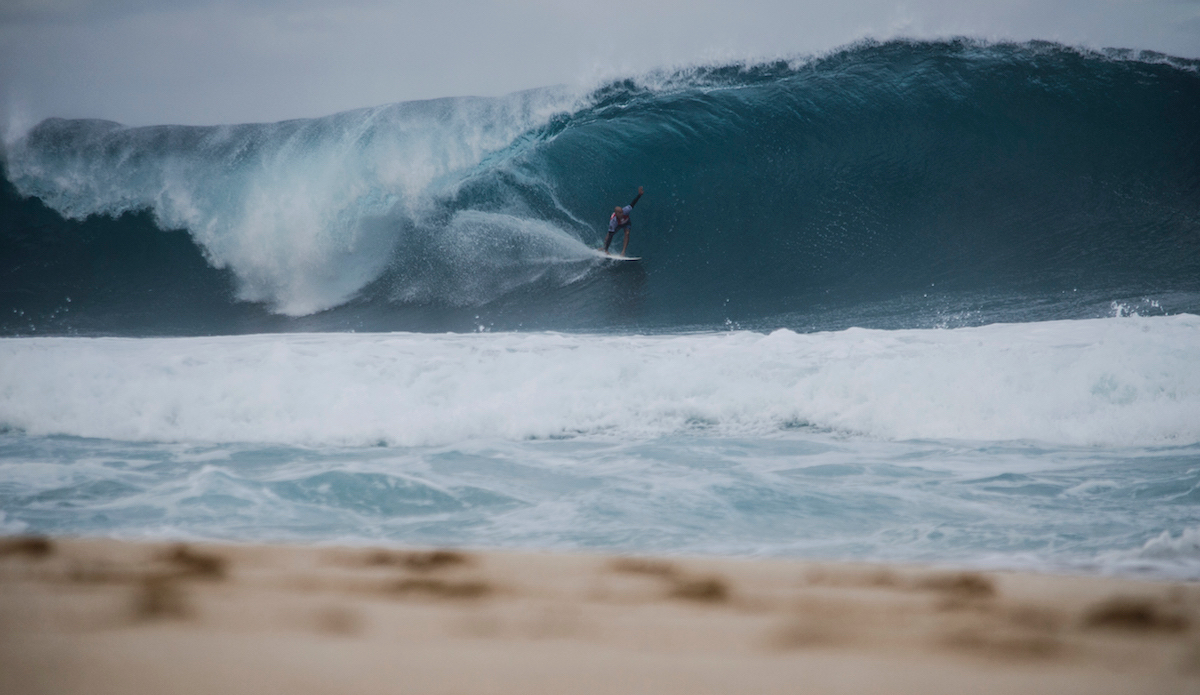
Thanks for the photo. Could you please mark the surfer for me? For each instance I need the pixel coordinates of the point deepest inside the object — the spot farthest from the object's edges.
(620, 220)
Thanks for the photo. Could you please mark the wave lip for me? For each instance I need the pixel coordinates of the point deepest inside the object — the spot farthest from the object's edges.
(1113, 382)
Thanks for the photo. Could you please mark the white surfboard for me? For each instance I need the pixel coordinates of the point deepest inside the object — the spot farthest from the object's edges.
(616, 257)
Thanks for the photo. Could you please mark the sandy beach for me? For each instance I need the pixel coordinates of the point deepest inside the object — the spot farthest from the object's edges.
(102, 616)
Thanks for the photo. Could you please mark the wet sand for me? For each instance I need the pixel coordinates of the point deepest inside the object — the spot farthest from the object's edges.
(100, 616)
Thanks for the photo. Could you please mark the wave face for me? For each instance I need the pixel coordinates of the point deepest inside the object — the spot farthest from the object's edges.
(903, 184)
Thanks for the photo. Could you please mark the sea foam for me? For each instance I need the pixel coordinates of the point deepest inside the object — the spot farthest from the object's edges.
(1121, 381)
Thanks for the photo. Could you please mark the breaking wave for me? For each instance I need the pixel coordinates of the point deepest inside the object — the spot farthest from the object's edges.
(900, 184)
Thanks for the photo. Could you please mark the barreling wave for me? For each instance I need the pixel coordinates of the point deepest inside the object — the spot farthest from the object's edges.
(1004, 180)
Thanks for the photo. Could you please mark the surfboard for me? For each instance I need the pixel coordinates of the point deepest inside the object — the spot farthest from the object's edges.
(615, 257)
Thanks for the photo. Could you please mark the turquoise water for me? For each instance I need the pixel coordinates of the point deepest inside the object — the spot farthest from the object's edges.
(802, 494)
(1060, 445)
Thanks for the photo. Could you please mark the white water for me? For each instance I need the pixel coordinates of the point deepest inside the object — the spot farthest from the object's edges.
(305, 213)
(1107, 382)
(1071, 445)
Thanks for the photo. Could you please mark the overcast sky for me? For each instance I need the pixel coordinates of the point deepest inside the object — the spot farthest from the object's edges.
(224, 61)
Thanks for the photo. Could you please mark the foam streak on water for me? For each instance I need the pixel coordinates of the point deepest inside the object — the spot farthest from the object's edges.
(1063, 444)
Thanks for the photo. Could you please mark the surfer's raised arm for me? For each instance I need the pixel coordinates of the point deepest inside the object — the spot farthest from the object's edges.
(620, 220)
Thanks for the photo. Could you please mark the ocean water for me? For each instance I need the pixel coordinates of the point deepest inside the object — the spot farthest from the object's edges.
(906, 301)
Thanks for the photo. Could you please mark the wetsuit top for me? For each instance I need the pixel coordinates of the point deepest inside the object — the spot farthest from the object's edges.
(618, 221)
